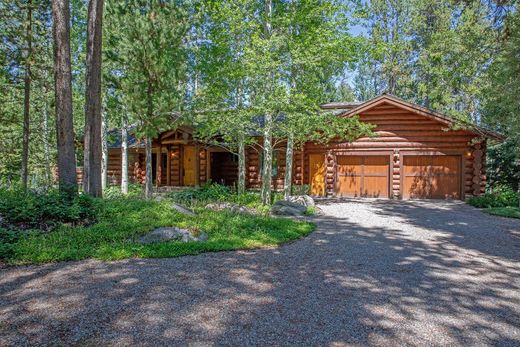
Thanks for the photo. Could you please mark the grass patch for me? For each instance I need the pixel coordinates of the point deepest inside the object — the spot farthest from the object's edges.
(510, 212)
(121, 220)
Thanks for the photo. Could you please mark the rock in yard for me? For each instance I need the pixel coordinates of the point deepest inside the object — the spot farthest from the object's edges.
(288, 208)
(183, 210)
(303, 200)
(171, 234)
(219, 206)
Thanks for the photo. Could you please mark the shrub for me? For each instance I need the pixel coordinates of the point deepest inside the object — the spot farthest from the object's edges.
(31, 209)
(7, 241)
(114, 192)
(502, 197)
(200, 195)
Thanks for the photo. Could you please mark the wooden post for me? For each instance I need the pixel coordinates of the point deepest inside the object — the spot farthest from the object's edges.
(169, 166)
(197, 165)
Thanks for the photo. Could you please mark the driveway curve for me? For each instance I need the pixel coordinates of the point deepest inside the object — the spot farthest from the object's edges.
(376, 272)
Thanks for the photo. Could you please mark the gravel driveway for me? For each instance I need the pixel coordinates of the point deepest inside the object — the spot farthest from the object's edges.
(374, 273)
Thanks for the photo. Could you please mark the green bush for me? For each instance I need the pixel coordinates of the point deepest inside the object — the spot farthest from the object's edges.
(7, 240)
(502, 197)
(200, 195)
(114, 192)
(33, 209)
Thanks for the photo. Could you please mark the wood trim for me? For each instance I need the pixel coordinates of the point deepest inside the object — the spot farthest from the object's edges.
(197, 165)
(181, 165)
(169, 166)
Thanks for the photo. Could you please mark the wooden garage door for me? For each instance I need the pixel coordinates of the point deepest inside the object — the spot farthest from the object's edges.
(363, 176)
(431, 177)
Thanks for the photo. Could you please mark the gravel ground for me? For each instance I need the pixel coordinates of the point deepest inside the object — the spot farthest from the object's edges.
(374, 273)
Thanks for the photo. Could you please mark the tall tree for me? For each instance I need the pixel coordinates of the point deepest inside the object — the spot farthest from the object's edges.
(93, 152)
(147, 39)
(501, 106)
(27, 95)
(63, 90)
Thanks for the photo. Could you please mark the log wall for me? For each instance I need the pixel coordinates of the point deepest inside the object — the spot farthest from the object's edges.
(398, 132)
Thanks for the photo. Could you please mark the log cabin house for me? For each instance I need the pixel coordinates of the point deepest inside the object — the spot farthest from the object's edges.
(416, 153)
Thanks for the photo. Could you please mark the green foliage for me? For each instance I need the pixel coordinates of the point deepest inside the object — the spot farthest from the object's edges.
(122, 220)
(44, 210)
(504, 197)
(311, 211)
(213, 192)
(7, 240)
(114, 192)
(209, 192)
(510, 212)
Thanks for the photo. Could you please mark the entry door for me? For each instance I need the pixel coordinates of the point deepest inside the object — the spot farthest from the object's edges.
(363, 176)
(190, 166)
(432, 176)
(317, 174)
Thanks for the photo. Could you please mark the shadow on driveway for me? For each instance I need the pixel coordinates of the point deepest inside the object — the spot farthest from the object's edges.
(374, 273)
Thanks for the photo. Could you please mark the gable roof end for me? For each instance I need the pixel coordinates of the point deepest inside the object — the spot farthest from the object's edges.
(398, 102)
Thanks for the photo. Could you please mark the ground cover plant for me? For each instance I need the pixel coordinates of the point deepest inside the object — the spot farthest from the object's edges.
(503, 201)
(119, 221)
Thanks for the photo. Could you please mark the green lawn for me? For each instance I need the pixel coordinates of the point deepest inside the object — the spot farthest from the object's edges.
(122, 220)
(511, 212)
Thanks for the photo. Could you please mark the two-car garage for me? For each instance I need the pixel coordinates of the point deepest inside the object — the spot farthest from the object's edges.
(419, 176)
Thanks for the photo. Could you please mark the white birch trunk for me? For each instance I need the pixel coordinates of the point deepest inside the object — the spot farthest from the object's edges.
(241, 166)
(124, 157)
(288, 167)
(265, 193)
(104, 152)
(148, 184)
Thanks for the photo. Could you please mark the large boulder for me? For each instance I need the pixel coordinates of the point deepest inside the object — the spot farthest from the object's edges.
(303, 200)
(288, 208)
(172, 234)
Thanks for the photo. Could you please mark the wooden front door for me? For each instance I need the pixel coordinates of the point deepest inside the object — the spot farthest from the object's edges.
(317, 174)
(189, 166)
(431, 177)
(363, 176)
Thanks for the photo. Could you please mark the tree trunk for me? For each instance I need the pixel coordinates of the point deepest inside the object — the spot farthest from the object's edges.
(93, 148)
(104, 152)
(63, 87)
(27, 98)
(124, 156)
(241, 166)
(288, 167)
(148, 181)
(265, 193)
(46, 147)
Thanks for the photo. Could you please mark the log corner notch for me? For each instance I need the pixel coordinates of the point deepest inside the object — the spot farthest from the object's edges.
(330, 179)
(479, 175)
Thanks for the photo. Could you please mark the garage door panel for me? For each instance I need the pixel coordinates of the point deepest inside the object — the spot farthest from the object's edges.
(362, 176)
(434, 176)
(349, 185)
(375, 166)
(416, 187)
(349, 165)
(375, 187)
(446, 187)
(416, 165)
